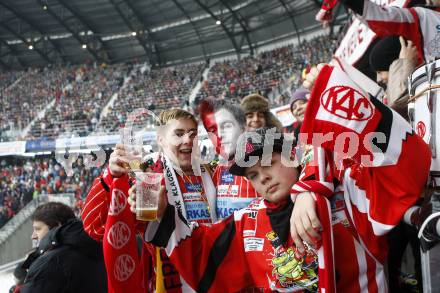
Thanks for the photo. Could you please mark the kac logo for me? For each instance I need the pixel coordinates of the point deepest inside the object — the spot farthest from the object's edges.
(118, 235)
(347, 103)
(421, 129)
(124, 267)
(118, 202)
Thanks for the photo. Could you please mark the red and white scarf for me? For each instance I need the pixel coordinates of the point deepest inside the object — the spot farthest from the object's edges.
(321, 187)
(121, 257)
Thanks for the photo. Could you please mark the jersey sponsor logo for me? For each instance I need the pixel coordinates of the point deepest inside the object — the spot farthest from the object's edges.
(193, 187)
(118, 235)
(226, 177)
(191, 196)
(248, 233)
(196, 211)
(347, 103)
(118, 202)
(337, 202)
(340, 217)
(124, 267)
(222, 189)
(228, 205)
(234, 190)
(253, 244)
(337, 205)
(225, 189)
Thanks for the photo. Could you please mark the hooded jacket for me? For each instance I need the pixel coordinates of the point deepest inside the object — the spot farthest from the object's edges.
(67, 260)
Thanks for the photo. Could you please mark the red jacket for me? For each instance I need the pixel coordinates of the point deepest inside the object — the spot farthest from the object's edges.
(251, 248)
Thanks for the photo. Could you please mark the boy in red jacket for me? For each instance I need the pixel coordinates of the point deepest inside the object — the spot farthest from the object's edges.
(252, 247)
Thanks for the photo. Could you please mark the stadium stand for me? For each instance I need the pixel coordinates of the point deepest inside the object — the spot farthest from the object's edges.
(77, 107)
(81, 92)
(266, 71)
(154, 90)
(22, 101)
(21, 181)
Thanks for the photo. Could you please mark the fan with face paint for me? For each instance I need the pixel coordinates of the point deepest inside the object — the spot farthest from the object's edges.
(225, 123)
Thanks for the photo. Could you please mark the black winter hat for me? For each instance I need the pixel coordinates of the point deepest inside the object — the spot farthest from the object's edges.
(247, 147)
(384, 53)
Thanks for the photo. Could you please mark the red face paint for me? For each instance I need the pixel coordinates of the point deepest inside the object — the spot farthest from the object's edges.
(211, 126)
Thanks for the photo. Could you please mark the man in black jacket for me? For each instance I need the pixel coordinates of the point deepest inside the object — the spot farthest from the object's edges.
(67, 259)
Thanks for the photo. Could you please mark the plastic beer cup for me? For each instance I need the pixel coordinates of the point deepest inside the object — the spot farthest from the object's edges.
(147, 195)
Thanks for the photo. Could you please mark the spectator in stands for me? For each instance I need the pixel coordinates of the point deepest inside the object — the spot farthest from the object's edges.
(226, 122)
(258, 115)
(394, 59)
(298, 104)
(67, 259)
(382, 55)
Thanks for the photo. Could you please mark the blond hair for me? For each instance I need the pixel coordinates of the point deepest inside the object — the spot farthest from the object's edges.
(175, 114)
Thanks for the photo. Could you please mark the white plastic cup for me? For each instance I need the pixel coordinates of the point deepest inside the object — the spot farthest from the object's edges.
(147, 195)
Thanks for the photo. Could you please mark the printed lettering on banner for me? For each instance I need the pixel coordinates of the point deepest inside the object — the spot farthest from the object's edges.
(347, 103)
(124, 267)
(118, 202)
(253, 244)
(253, 214)
(118, 235)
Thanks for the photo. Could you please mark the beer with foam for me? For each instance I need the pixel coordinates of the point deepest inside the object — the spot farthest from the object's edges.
(146, 214)
(147, 195)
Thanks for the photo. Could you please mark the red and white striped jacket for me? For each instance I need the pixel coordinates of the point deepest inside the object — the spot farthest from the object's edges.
(378, 178)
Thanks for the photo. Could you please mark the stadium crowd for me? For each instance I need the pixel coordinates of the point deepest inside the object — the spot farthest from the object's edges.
(154, 90)
(23, 180)
(22, 101)
(275, 73)
(81, 92)
(78, 105)
(229, 227)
